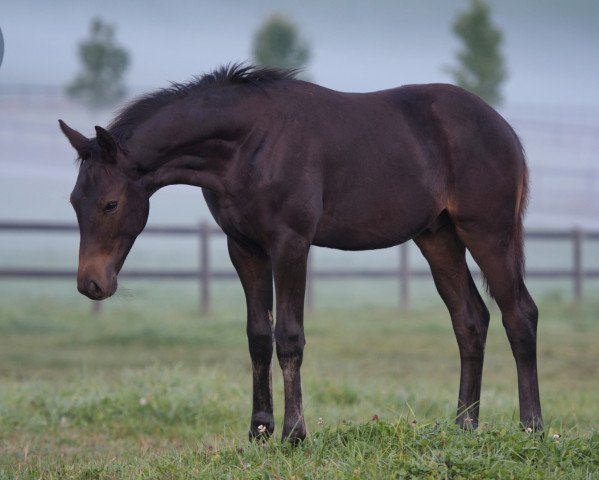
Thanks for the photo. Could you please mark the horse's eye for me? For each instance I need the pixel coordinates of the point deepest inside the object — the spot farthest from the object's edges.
(110, 207)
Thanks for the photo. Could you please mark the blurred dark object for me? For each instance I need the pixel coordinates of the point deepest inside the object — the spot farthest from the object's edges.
(1, 47)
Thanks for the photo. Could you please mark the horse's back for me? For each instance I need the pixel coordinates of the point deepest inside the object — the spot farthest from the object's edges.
(390, 162)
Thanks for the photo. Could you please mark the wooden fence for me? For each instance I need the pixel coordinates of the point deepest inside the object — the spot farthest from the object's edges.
(205, 274)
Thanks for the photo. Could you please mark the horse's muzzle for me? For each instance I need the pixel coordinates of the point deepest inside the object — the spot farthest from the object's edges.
(96, 289)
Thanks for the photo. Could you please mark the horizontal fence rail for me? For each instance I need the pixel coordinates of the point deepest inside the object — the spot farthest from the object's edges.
(204, 274)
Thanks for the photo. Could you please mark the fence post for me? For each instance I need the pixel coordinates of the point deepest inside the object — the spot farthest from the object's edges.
(204, 268)
(96, 307)
(577, 236)
(404, 277)
(309, 300)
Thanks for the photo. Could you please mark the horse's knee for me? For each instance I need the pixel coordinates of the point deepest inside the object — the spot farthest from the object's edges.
(290, 341)
(261, 346)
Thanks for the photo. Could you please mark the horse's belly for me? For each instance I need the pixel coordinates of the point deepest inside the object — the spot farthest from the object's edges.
(376, 208)
(369, 234)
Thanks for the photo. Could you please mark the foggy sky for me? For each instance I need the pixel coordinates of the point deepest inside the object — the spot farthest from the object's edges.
(550, 46)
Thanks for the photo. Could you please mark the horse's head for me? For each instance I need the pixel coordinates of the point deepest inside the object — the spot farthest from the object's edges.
(112, 210)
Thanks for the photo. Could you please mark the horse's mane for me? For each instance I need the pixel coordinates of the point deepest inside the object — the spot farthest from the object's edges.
(143, 107)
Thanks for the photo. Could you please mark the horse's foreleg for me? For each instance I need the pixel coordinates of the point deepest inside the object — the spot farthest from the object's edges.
(445, 254)
(289, 257)
(255, 272)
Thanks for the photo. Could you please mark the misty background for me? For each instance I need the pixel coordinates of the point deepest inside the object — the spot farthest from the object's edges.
(551, 99)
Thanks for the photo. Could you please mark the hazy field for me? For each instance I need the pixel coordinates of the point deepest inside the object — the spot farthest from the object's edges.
(158, 392)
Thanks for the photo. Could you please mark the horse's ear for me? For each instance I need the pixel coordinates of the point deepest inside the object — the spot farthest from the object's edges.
(107, 144)
(78, 141)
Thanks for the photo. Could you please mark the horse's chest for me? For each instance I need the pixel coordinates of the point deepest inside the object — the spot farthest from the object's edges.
(237, 220)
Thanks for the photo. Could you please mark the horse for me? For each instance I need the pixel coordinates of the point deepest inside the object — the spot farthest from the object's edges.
(285, 164)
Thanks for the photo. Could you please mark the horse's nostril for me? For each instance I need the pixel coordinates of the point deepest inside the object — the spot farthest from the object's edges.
(94, 288)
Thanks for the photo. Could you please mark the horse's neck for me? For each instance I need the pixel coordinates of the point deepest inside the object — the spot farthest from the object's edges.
(185, 145)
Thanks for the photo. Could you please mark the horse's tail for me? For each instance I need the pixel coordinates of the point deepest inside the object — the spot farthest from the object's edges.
(521, 206)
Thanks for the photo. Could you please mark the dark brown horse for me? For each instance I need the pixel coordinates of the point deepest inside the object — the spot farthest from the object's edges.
(286, 164)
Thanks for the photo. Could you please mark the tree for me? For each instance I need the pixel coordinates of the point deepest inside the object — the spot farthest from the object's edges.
(104, 62)
(481, 66)
(278, 44)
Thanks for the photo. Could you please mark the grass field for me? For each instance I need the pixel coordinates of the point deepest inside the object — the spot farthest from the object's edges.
(160, 393)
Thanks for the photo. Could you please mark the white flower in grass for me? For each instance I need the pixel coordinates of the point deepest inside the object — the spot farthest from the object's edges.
(528, 430)
(261, 429)
(143, 401)
(320, 421)
(556, 437)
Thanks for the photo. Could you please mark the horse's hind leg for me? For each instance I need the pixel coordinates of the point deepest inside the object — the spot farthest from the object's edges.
(445, 254)
(497, 258)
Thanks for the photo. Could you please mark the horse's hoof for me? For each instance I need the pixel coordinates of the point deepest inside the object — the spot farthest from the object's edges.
(533, 425)
(467, 422)
(262, 426)
(294, 435)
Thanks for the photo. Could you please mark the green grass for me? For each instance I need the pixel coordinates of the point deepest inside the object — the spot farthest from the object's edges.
(161, 393)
